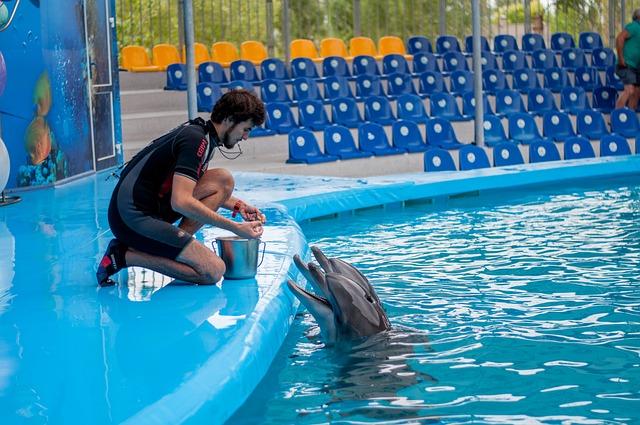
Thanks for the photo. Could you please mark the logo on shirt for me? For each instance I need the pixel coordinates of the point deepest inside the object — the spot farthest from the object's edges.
(202, 149)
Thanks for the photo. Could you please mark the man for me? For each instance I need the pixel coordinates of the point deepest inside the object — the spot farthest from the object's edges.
(169, 180)
(628, 51)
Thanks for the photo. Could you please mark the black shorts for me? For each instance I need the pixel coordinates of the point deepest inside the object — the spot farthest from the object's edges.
(152, 235)
(628, 75)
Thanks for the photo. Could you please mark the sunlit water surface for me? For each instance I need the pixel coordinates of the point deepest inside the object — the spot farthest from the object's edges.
(522, 307)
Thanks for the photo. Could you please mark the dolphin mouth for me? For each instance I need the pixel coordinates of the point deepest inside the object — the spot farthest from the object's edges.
(310, 295)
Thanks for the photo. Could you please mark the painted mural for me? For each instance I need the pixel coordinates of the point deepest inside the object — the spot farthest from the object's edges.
(44, 97)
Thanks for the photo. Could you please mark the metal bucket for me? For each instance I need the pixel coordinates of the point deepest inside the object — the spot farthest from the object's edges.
(240, 256)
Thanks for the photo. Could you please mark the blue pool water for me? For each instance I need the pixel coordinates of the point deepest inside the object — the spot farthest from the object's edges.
(522, 307)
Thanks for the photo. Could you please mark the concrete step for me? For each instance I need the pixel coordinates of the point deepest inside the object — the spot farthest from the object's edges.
(142, 80)
(140, 101)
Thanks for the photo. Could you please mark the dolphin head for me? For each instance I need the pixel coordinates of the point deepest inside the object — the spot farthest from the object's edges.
(344, 304)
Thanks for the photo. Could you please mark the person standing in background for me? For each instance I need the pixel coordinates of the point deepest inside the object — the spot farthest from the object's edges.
(628, 52)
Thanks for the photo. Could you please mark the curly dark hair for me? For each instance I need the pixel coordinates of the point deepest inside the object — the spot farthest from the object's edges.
(238, 105)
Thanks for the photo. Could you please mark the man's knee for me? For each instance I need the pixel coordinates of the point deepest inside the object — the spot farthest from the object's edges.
(214, 271)
(221, 179)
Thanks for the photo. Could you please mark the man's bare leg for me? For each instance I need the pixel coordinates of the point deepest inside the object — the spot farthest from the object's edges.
(633, 98)
(628, 91)
(213, 190)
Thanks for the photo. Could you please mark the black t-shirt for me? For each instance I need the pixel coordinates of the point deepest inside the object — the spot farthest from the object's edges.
(185, 150)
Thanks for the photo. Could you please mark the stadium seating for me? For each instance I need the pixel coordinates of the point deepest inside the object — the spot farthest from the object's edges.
(311, 114)
(440, 133)
(469, 105)
(523, 128)
(573, 100)
(602, 58)
(418, 44)
(506, 153)
(543, 59)
(573, 58)
(543, 151)
(377, 109)
(410, 107)
(614, 145)
(335, 87)
(471, 157)
(274, 91)
(461, 82)
(431, 82)
(540, 101)
(212, 72)
(207, 94)
(493, 131)
(243, 70)
(406, 135)
(578, 147)
(394, 63)
(303, 67)
(447, 43)
(253, 51)
(365, 64)
(339, 141)
(201, 54)
(454, 61)
(591, 124)
(425, 61)
(372, 138)
(437, 159)
(556, 79)
(176, 77)
(468, 44)
(588, 41)
(135, 59)
(400, 84)
(557, 126)
(280, 118)
(444, 105)
(390, 44)
(335, 66)
(513, 60)
(503, 43)
(332, 46)
(363, 46)
(525, 79)
(561, 41)
(164, 55)
(368, 85)
(304, 88)
(303, 48)
(532, 42)
(604, 99)
(624, 122)
(508, 102)
(303, 148)
(224, 53)
(493, 80)
(274, 69)
(344, 111)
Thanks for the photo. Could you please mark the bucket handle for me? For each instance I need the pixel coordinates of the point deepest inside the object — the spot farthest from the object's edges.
(264, 248)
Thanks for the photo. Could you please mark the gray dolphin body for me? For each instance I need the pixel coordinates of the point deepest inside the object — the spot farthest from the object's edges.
(345, 305)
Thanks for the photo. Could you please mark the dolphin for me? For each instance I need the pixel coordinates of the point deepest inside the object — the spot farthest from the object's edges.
(345, 305)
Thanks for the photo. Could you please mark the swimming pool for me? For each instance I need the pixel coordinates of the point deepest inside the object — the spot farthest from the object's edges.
(522, 306)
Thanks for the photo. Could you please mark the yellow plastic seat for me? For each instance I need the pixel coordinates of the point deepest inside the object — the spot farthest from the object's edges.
(303, 48)
(253, 51)
(136, 59)
(201, 51)
(363, 46)
(224, 53)
(331, 46)
(164, 55)
(390, 44)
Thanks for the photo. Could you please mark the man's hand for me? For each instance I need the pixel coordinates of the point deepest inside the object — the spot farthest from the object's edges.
(251, 213)
(249, 229)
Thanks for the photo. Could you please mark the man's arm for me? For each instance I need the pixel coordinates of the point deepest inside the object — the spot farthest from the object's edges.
(248, 212)
(620, 39)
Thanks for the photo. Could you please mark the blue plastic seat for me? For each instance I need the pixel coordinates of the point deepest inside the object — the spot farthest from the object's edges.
(523, 128)
(344, 111)
(614, 145)
(588, 41)
(561, 41)
(624, 122)
(419, 44)
(488, 61)
(406, 135)
(207, 95)
(513, 60)
(311, 114)
(468, 44)
(339, 141)
(604, 99)
(573, 58)
(507, 153)
(261, 131)
(241, 85)
(602, 58)
(493, 80)
(303, 148)
(440, 133)
(335, 66)
(503, 43)
(493, 131)
(273, 69)
(447, 43)
(372, 138)
(365, 64)
(212, 72)
(394, 63)
(461, 82)
(243, 70)
(444, 105)
(280, 118)
(305, 88)
(399, 84)
(471, 157)
(454, 61)
(304, 67)
(176, 77)
(525, 79)
(557, 126)
(437, 159)
(588, 78)
(556, 79)
(543, 151)
(508, 102)
(431, 82)
(335, 87)
(542, 59)
(573, 100)
(274, 91)
(425, 62)
(578, 147)
(368, 85)
(377, 109)
(591, 124)
(469, 105)
(612, 79)
(410, 107)
(532, 42)
(540, 101)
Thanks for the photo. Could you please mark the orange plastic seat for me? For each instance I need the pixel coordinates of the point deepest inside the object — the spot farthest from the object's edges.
(331, 46)
(201, 53)
(363, 46)
(224, 53)
(303, 48)
(253, 51)
(164, 55)
(135, 59)
(390, 44)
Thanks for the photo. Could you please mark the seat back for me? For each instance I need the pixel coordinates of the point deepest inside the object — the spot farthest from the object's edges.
(362, 46)
(378, 109)
(612, 79)
(624, 121)
(338, 140)
(410, 107)
(243, 70)
(573, 99)
(493, 130)
(493, 80)
(471, 157)
(390, 44)
(440, 132)
(134, 56)
(406, 135)
(602, 58)
(365, 64)
(454, 61)
(311, 114)
(368, 85)
(207, 95)
(468, 44)
(400, 84)
(588, 78)
(394, 63)
(447, 43)
(240, 85)
(303, 67)
(436, 159)
(332, 46)
(541, 100)
(344, 111)
(274, 69)
(578, 147)
(280, 117)
(522, 127)
(508, 102)
(532, 42)
(512, 60)
(211, 72)
(503, 43)
(303, 145)
(305, 89)
(253, 51)
(274, 91)
(556, 79)
(557, 125)
(488, 60)
(201, 53)
(224, 53)
(543, 59)
(164, 55)
(303, 48)
(591, 124)
(419, 44)
(604, 98)
(425, 61)
(525, 79)
(372, 137)
(469, 104)
(573, 58)
(588, 41)
(461, 82)
(561, 41)
(335, 65)
(543, 151)
(614, 145)
(506, 153)
(431, 82)
(176, 77)
(335, 87)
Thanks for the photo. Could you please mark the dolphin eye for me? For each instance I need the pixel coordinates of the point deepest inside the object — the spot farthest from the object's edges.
(368, 298)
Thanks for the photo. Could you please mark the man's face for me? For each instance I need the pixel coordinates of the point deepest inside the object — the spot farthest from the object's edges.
(236, 133)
